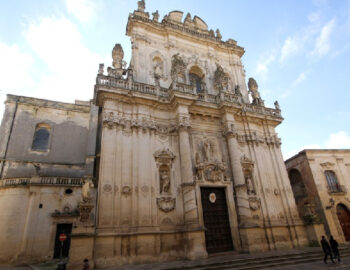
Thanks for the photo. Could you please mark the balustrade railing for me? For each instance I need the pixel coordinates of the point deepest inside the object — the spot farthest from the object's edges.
(183, 88)
(336, 188)
(42, 181)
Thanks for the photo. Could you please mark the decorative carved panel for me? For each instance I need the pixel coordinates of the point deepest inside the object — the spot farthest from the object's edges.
(166, 204)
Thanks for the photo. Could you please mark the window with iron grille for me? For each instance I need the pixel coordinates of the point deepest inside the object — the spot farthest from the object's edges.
(332, 181)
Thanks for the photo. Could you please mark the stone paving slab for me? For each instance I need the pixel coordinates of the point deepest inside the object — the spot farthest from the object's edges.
(344, 264)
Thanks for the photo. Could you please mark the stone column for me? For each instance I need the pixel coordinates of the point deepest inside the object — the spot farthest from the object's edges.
(244, 213)
(188, 185)
(194, 234)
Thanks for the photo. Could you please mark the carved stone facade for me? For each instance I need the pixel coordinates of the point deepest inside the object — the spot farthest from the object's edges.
(174, 122)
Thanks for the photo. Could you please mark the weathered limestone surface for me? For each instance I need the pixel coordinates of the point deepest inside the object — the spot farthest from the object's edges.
(33, 183)
(179, 119)
(318, 198)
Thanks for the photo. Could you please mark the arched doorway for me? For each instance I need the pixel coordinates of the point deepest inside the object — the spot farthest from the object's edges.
(344, 220)
(299, 190)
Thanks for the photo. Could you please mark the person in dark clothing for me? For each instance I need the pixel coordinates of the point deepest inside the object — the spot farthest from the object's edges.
(86, 265)
(326, 249)
(334, 246)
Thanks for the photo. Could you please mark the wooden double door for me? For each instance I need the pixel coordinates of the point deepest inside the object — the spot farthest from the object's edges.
(344, 220)
(216, 220)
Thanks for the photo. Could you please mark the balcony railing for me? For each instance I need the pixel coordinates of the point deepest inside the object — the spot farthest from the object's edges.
(336, 189)
(126, 84)
(41, 181)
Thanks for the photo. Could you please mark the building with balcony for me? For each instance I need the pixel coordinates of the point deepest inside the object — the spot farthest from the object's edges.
(320, 183)
(174, 158)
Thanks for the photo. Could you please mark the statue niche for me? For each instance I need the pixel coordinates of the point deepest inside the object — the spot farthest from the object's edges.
(248, 166)
(164, 179)
(207, 167)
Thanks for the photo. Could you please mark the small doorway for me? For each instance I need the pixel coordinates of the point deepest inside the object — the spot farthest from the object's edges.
(216, 220)
(344, 220)
(67, 229)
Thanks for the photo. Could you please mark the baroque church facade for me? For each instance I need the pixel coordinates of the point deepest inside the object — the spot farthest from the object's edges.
(174, 158)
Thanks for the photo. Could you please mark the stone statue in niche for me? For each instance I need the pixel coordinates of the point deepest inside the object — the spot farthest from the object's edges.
(207, 150)
(250, 186)
(164, 179)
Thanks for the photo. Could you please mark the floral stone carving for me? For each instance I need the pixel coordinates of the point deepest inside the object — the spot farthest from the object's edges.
(166, 204)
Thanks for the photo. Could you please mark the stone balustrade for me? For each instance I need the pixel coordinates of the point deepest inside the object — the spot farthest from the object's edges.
(121, 83)
(41, 181)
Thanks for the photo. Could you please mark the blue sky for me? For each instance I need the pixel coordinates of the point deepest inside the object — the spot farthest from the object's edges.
(298, 51)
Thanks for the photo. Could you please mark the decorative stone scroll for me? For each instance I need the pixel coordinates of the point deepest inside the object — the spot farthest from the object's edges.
(166, 204)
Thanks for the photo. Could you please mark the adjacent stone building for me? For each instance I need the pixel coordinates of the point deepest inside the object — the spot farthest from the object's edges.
(320, 183)
(174, 158)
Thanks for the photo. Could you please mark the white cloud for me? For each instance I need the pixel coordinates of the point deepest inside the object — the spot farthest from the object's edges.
(322, 45)
(338, 140)
(291, 46)
(15, 66)
(71, 66)
(83, 10)
(262, 66)
(300, 79)
(289, 154)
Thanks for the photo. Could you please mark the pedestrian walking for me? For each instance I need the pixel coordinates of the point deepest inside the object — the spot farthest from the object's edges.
(334, 246)
(326, 249)
(86, 265)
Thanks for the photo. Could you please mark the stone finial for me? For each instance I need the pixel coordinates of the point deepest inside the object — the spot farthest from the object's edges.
(277, 105)
(211, 33)
(218, 34)
(141, 6)
(188, 18)
(101, 69)
(155, 16)
(117, 55)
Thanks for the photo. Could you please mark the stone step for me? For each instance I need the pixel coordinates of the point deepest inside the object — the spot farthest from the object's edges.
(260, 262)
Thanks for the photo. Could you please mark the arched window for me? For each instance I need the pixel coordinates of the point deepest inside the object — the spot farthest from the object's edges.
(196, 78)
(41, 137)
(332, 181)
